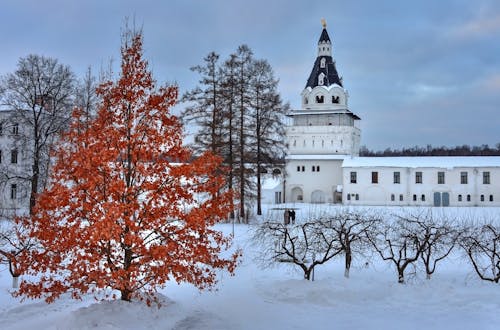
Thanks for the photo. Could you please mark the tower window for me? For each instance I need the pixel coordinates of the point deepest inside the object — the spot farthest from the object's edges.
(320, 98)
(321, 79)
(335, 99)
(322, 63)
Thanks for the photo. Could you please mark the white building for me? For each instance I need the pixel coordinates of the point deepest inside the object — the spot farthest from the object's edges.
(323, 166)
(13, 163)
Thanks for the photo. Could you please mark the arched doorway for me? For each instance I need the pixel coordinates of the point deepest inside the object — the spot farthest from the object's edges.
(297, 195)
(318, 196)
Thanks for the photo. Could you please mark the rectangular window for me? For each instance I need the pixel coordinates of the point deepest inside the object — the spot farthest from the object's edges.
(414, 197)
(298, 168)
(393, 198)
(314, 168)
(13, 191)
(1, 129)
(463, 177)
(15, 129)
(418, 177)
(13, 156)
(397, 177)
(374, 177)
(303, 168)
(486, 177)
(440, 177)
(357, 197)
(491, 198)
(482, 198)
(348, 197)
(401, 197)
(353, 177)
(317, 168)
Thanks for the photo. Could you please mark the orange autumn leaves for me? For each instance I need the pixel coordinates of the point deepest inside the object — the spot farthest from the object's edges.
(127, 208)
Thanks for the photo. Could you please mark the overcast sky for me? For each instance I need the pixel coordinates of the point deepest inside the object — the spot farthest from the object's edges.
(418, 72)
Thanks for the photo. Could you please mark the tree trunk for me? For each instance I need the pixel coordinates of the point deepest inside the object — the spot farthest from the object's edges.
(34, 179)
(348, 259)
(401, 276)
(15, 282)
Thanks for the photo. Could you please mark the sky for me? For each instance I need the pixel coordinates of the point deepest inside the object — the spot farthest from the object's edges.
(417, 72)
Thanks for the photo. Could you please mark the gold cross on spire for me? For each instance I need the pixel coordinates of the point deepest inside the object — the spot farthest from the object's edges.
(323, 22)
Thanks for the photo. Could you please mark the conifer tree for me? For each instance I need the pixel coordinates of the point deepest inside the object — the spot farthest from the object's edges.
(126, 210)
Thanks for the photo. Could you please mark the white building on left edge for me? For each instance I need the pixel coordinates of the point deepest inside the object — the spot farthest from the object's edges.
(323, 163)
(14, 163)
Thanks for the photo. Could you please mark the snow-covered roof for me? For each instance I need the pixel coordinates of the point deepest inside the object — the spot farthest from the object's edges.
(316, 157)
(414, 162)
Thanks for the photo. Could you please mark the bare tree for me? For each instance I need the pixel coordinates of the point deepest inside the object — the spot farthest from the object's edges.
(269, 112)
(399, 242)
(482, 246)
(351, 229)
(12, 245)
(40, 93)
(305, 245)
(439, 237)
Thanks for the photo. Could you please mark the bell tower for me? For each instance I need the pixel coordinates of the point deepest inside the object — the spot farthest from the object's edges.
(322, 133)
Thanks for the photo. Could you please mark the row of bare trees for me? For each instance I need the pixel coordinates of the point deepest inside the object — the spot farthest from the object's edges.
(403, 240)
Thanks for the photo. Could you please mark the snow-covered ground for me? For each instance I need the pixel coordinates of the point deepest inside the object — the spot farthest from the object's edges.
(278, 298)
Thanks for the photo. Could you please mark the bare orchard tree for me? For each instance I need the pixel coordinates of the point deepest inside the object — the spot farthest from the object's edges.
(11, 246)
(351, 229)
(305, 245)
(40, 95)
(439, 237)
(482, 246)
(398, 241)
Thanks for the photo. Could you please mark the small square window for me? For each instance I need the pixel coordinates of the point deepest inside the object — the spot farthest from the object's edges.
(418, 177)
(486, 177)
(463, 178)
(353, 177)
(397, 177)
(440, 177)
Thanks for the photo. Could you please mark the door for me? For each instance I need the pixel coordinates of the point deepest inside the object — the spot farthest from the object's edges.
(446, 199)
(437, 199)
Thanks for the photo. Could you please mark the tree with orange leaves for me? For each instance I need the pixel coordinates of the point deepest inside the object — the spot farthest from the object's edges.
(128, 208)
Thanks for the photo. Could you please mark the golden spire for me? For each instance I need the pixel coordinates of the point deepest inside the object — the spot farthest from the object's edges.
(323, 22)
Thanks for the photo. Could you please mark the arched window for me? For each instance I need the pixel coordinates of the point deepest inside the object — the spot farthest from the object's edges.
(306, 100)
(322, 63)
(321, 79)
(335, 99)
(320, 99)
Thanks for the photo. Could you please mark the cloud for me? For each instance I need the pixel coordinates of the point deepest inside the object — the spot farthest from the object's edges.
(478, 27)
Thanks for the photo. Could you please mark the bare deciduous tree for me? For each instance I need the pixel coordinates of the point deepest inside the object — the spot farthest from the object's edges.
(482, 246)
(305, 245)
(40, 93)
(399, 242)
(351, 229)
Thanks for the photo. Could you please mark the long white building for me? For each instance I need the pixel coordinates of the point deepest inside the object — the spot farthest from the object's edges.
(323, 163)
